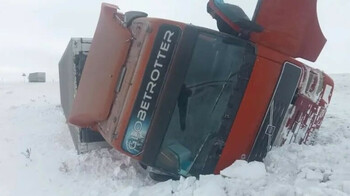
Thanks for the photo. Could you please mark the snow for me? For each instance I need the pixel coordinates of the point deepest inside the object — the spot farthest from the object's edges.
(37, 156)
(244, 170)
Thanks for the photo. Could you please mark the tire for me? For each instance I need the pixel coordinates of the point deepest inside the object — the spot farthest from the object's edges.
(160, 177)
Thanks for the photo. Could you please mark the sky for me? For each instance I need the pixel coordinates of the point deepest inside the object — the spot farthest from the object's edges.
(35, 33)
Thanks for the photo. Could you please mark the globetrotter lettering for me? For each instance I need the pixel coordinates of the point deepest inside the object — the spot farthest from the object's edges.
(150, 88)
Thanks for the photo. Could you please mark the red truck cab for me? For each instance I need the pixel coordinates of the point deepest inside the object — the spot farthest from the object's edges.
(186, 100)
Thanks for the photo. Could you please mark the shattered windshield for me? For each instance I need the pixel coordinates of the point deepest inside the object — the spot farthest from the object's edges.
(210, 79)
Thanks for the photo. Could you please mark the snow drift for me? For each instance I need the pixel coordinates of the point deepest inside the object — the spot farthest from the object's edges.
(37, 156)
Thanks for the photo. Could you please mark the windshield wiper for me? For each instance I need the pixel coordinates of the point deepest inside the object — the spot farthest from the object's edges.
(182, 103)
(186, 92)
(222, 90)
(207, 83)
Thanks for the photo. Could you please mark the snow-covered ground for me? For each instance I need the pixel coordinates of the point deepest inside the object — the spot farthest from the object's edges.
(37, 156)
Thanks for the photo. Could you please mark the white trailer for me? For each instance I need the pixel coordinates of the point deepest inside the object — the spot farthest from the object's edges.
(70, 69)
(37, 77)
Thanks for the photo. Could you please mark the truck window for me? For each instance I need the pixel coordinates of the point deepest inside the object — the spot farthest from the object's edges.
(203, 99)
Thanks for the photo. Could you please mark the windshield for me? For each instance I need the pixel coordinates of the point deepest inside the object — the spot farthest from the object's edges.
(202, 101)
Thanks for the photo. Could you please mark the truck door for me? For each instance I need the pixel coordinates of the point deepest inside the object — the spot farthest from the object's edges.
(290, 27)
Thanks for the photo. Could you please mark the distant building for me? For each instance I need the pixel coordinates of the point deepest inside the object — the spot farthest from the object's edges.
(37, 77)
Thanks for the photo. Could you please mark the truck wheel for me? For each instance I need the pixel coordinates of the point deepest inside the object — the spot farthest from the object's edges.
(143, 166)
(160, 177)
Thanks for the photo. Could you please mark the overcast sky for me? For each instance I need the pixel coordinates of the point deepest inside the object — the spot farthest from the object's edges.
(35, 33)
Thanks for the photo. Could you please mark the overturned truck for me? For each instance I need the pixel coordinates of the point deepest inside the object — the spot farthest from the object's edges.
(185, 100)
